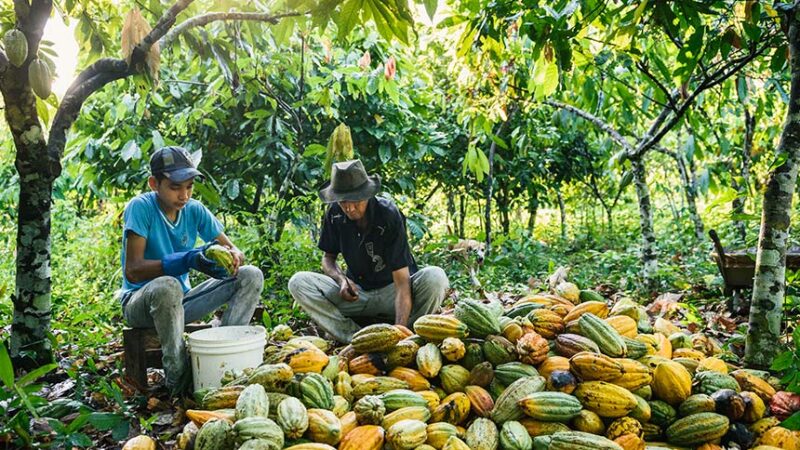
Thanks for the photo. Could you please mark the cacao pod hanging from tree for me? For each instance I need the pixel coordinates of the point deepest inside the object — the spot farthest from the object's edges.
(16, 45)
(40, 78)
(340, 147)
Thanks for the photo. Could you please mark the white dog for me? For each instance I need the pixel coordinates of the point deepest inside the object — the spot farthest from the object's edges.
(470, 253)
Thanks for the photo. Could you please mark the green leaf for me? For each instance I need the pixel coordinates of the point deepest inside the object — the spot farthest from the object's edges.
(35, 374)
(6, 369)
(314, 150)
(793, 422)
(131, 150)
(741, 88)
(283, 31)
(348, 17)
(783, 361)
(158, 140)
(430, 7)
(104, 421)
(385, 153)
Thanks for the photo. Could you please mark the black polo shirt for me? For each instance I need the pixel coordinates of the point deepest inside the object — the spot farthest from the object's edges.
(372, 255)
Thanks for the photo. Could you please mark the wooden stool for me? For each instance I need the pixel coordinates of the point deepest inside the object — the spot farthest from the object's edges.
(142, 349)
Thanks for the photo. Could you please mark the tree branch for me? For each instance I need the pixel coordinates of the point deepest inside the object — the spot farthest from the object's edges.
(595, 120)
(93, 78)
(643, 68)
(205, 19)
(716, 78)
(3, 62)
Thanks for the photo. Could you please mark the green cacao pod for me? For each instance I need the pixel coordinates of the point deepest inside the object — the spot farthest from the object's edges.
(480, 320)
(697, 429)
(513, 436)
(40, 78)
(499, 350)
(274, 377)
(252, 402)
(16, 46)
(292, 418)
(314, 390)
(577, 440)
(608, 339)
(406, 434)
(454, 378)
(221, 256)
(429, 360)
(709, 382)
(258, 428)
(380, 337)
(482, 435)
(401, 398)
(213, 435)
(369, 410)
(510, 372)
(506, 408)
(550, 406)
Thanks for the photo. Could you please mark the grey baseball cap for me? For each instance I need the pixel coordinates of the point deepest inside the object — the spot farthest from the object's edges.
(175, 163)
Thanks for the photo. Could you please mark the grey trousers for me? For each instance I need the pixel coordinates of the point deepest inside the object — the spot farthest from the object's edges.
(161, 304)
(318, 295)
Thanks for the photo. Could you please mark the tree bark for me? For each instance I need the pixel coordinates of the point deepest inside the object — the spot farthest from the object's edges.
(533, 208)
(487, 214)
(743, 187)
(649, 251)
(451, 214)
(763, 338)
(462, 210)
(690, 193)
(563, 212)
(29, 346)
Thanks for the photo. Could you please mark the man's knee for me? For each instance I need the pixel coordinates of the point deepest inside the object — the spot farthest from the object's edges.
(250, 275)
(165, 291)
(434, 278)
(297, 283)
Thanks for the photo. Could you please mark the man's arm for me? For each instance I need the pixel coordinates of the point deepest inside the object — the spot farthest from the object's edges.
(402, 300)
(347, 289)
(238, 256)
(138, 269)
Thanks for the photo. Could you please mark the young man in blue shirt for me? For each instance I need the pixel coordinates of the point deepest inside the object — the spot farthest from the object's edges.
(160, 231)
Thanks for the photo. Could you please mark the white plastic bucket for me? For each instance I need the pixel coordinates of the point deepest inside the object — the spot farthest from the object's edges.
(215, 350)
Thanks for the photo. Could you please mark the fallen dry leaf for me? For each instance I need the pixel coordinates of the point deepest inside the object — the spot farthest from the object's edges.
(666, 305)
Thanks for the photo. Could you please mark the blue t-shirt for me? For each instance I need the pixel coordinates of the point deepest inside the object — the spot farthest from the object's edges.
(144, 217)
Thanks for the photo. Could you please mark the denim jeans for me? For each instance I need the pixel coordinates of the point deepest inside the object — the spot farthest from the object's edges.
(318, 295)
(161, 304)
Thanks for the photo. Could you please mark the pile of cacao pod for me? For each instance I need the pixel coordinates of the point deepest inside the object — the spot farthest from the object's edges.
(560, 370)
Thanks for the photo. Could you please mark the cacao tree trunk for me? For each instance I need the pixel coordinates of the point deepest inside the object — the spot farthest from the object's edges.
(451, 214)
(690, 193)
(563, 212)
(488, 193)
(649, 251)
(743, 187)
(503, 205)
(533, 208)
(29, 345)
(462, 209)
(763, 338)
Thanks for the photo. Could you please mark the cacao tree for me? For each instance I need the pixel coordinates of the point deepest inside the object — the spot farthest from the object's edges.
(763, 337)
(628, 90)
(39, 156)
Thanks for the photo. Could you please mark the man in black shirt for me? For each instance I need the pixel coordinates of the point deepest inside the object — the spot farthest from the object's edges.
(382, 281)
